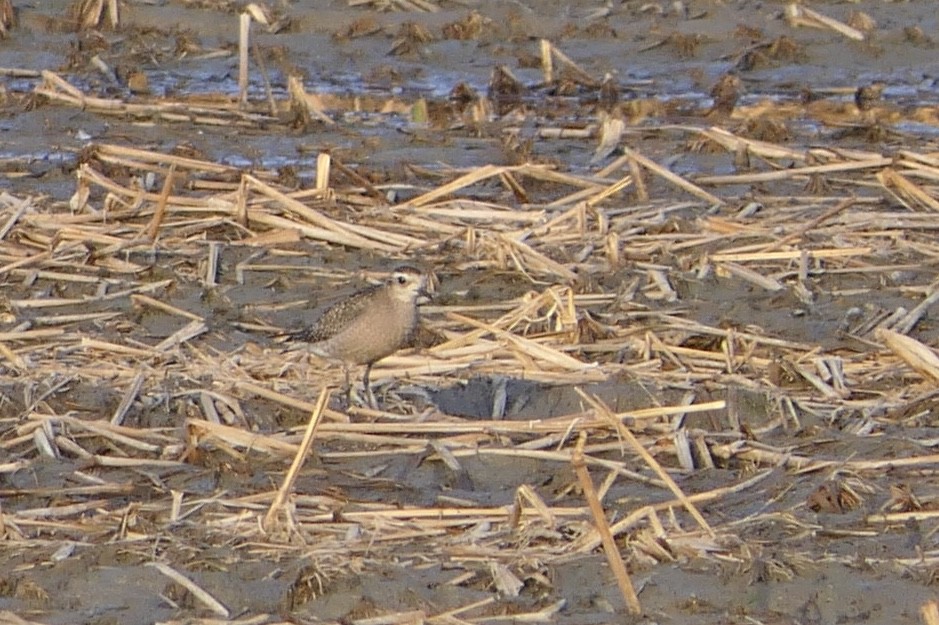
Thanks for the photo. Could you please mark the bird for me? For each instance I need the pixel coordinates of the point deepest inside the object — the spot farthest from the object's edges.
(369, 325)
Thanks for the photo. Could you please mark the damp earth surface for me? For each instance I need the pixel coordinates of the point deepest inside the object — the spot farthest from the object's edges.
(802, 546)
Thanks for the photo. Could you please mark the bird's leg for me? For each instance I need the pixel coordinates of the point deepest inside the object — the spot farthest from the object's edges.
(348, 393)
(372, 403)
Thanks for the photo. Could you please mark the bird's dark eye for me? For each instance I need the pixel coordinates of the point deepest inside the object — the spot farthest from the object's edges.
(402, 280)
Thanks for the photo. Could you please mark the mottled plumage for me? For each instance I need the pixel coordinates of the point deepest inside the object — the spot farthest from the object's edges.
(370, 324)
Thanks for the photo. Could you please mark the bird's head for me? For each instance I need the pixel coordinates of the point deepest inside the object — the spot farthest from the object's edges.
(408, 284)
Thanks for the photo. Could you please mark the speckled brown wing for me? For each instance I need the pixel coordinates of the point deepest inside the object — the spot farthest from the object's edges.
(336, 317)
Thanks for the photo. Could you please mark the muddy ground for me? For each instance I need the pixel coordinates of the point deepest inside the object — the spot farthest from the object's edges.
(793, 562)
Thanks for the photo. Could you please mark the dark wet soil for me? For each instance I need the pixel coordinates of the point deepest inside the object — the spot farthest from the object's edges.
(790, 564)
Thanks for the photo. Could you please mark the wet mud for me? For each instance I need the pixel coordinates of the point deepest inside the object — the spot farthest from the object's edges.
(795, 549)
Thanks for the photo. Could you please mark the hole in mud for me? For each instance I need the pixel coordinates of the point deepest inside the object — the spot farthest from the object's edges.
(513, 398)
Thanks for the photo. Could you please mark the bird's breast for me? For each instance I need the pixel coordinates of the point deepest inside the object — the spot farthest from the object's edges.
(377, 332)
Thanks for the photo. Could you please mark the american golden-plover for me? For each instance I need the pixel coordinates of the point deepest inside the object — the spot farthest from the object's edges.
(370, 324)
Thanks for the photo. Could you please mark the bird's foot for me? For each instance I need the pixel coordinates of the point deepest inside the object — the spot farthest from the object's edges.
(372, 402)
(354, 397)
